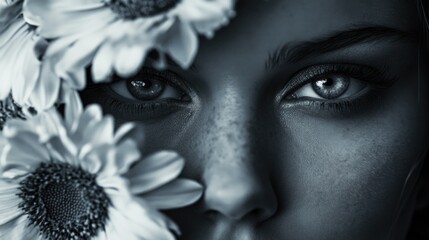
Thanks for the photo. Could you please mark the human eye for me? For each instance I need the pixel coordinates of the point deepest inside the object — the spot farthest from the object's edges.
(333, 86)
(338, 87)
(149, 85)
(149, 94)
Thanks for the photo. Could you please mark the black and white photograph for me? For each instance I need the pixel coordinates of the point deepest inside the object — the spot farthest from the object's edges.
(214, 119)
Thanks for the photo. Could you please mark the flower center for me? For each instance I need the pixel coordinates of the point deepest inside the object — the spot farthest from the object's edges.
(64, 202)
(132, 9)
(9, 110)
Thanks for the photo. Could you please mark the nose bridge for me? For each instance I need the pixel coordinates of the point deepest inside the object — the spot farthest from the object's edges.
(236, 182)
(231, 125)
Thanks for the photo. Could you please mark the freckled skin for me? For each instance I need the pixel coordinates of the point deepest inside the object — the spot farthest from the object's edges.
(288, 172)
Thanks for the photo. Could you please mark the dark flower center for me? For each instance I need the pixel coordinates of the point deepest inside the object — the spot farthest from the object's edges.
(64, 202)
(132, 9)
(9, 110)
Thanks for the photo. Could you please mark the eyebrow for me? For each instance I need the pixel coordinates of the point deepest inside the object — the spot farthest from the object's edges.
(332, 42)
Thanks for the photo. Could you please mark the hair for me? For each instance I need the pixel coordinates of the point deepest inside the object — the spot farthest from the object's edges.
(419, 226)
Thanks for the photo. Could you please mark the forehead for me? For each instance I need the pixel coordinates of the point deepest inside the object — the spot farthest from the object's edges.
(263, 25)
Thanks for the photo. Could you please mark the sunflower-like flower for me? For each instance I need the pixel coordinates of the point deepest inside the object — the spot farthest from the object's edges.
(22, 74)
(72, 180)
(115, 36)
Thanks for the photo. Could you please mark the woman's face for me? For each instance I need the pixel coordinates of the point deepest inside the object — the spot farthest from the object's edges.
(302, 119)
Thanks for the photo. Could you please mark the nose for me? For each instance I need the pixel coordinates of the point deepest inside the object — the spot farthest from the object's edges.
(236, 174)
(237, 194)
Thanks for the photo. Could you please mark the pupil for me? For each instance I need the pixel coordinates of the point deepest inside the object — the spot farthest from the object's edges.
(328, 82)
(147, 84)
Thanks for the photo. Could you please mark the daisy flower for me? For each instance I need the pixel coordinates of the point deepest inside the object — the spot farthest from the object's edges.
(21, 71)
(72, 179)
(114, 36)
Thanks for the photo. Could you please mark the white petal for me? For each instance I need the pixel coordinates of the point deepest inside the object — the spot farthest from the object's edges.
(41, 45)
(65, 6)
(16, 58)
(46, 90)
(60, 46)
(102, 65)
(10, 63)
(19, 229)
(107, 154)
(10, 23)
(61, 18)
(73, 110)
(71, 23)
(123, 131)
(116, 160)
(30, 232)
(115, 186)
(27, 69)
(130, 58)
(9, 209)
(25, 152)
(137, 220)
(155, 171)
(91, 116)
(110, 232)
(77, 58)
(207, 16)
(102, 235)
(158, 217)
(62, 149)
(101, 133)
(7, 187)
(127, 154)
(177, 194)
(8, 194)
(92, 163)
(168, 223)
(46, 124)
(92, 113)
(13, 173)
(181, 43)
(17, 125)
(5, 89)
(119, 228)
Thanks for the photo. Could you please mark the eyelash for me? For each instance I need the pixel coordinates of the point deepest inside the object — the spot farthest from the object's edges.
(377, 81)
(342, 106)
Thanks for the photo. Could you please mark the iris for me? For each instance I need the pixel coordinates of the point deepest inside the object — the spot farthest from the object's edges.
(146, 89)
(331, 87)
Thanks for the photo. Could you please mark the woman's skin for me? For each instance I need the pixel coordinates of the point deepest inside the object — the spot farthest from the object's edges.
(277, 160)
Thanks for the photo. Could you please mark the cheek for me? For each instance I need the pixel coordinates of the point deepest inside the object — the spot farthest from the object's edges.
(350, 170)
